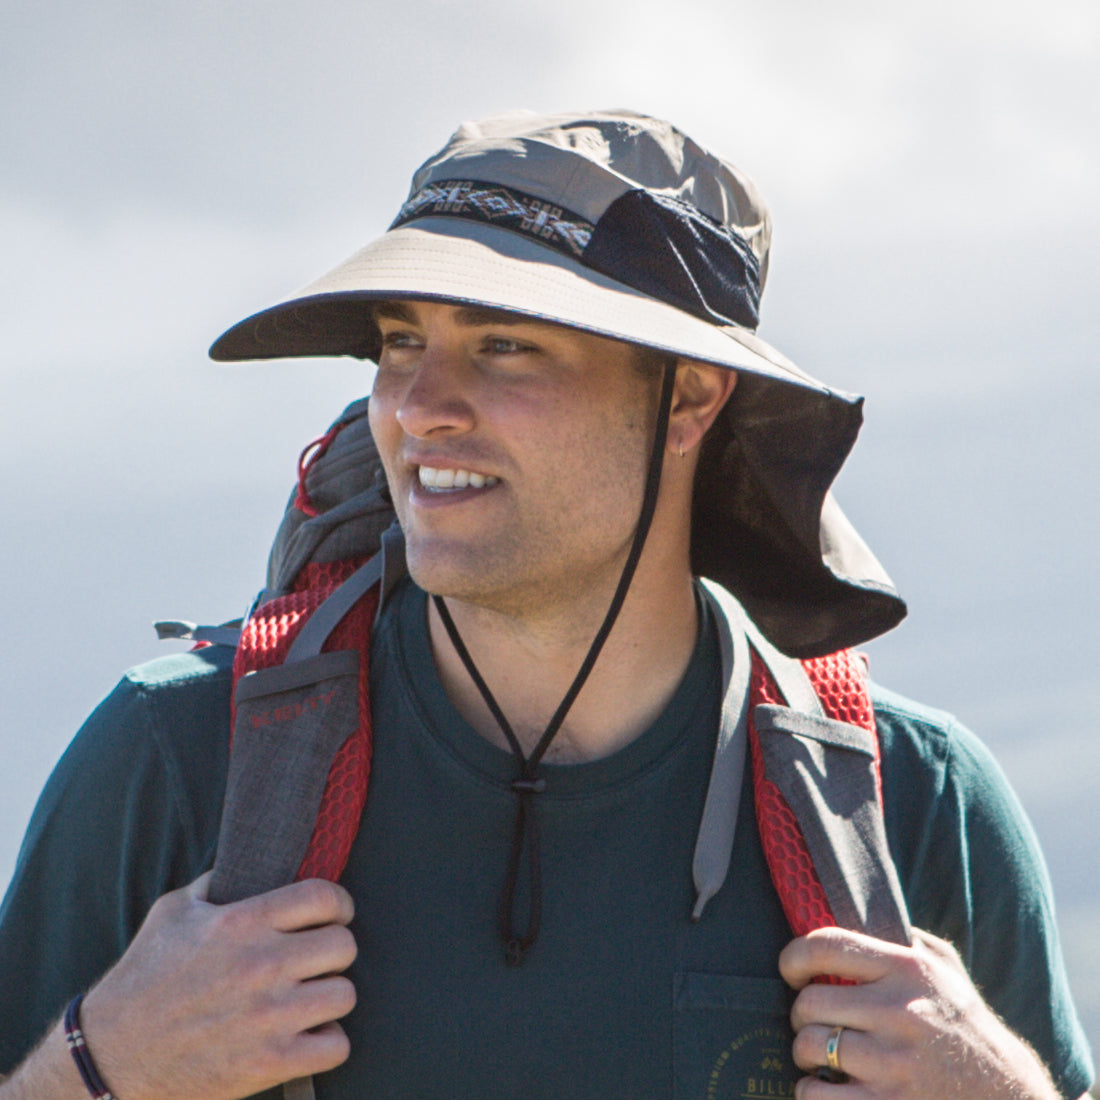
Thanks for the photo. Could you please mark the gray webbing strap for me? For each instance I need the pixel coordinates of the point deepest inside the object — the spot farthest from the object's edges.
(714, 844)
(394, 567)
(387, 566)
(325, 619)
(179, 630)
(826, 772)
(301, 1088)
(789, 674)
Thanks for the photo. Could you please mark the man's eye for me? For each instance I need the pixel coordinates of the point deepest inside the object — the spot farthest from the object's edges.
(398, 339)
(503, 345)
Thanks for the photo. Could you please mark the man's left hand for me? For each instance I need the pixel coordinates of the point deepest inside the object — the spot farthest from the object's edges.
(914, 1025)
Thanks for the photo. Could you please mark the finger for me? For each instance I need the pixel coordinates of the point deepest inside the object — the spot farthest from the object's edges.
(321, 951)
(942, 948)
(838, 952)
(179, 900)
(198, 889)
(858, 1006)
(317, 1051)
(323, 1001)
(311, 903)
(853, 1050)
(324, 1048)
(810, 1088)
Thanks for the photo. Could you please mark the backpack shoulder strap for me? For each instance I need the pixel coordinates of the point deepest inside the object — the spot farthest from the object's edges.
(811, 737)
(819, 806)
(301, 734)
(300, 754)
(301, 726)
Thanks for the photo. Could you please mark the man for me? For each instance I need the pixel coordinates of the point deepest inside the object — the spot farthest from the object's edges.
(575, 418)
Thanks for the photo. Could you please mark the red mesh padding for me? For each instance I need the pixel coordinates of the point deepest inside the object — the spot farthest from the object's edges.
(264, 642)
(792, 870)
(840, 687)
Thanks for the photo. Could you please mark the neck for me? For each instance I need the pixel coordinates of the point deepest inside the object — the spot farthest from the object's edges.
(530, 660)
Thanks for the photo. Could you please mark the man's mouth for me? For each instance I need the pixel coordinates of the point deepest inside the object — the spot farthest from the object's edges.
(449, 480)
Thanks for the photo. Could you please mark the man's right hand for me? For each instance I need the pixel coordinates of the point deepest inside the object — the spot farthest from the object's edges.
(223, 1001)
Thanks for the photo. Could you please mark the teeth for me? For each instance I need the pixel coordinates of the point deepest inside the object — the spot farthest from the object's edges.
(432, 478)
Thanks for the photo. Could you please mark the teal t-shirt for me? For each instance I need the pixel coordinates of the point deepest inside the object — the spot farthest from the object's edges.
(622, 994)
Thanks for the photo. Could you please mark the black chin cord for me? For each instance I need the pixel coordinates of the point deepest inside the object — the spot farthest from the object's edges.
(528, 783)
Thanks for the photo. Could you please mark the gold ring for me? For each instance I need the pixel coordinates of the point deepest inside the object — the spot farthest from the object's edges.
(832, 1049)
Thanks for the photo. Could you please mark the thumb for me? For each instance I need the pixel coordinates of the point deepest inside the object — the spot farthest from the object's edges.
(197, 890)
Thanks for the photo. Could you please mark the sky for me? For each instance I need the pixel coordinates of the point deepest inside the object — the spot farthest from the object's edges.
(169, 168)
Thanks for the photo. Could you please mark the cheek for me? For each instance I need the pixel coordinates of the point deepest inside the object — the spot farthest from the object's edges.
(382, 409)
(383, 426)
(606, 462)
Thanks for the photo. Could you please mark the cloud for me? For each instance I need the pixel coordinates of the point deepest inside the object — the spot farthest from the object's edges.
(263, 109)
(252, 110)
(924, 107)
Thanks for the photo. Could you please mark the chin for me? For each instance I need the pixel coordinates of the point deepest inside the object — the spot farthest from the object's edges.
(458, 572)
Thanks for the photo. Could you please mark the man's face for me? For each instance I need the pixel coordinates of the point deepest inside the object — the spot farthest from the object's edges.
(515, 451)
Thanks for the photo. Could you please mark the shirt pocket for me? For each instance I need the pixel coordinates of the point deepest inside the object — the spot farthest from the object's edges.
(731, 1038)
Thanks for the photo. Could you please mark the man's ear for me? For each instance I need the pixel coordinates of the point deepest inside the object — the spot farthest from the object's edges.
(700, 392)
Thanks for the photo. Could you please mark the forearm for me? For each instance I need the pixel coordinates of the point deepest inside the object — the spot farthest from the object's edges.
(48, 1073)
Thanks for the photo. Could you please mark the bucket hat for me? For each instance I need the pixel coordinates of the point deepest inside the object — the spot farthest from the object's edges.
(620, 225)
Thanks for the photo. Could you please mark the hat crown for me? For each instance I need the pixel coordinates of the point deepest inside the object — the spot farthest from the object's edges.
(584, 162)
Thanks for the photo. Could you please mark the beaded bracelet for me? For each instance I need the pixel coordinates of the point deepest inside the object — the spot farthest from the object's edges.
(81, 1055)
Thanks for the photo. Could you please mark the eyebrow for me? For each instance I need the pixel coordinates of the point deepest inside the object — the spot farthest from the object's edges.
(471, 316)
(485, 315)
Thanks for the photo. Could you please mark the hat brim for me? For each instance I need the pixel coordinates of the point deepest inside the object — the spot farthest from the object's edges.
(463, 261)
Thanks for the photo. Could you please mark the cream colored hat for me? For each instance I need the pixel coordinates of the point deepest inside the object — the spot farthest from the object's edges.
(619, 224)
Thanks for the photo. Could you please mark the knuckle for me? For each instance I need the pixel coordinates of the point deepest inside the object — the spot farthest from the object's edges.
(344, 996)
(925, 973)
(810, 1005)
(310, 891)
(337, 1047)
(277, 1059)
(229, 922)
(934, 944)
(896, 1068)
(264, 968)
(321, 1049)
(168, 909)
(809, 1088)
(911, 1025)
(346, 947)
(332, 998)
(794, 960)
(912, 970)
(160, 907)
(808, 955)
(266, 1014)
(804, 1050)
(322, 897)
(828, 938)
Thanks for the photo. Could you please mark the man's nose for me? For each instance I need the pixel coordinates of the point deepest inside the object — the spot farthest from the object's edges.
(437, 398)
